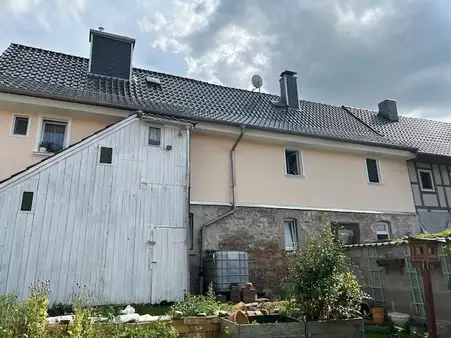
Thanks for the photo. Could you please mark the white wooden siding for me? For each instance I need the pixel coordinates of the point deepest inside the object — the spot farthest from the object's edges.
(93, 224)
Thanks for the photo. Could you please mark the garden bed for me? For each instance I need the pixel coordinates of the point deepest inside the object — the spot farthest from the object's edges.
(270, 326)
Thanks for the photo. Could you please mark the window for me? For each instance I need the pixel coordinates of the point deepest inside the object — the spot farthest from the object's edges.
(154, 136)
(27, 201)
(372, 169)
(426, 181)
(106, 155)
(20, 125)
(293, 163)
(347, 232)
(53, 135)
(382, 230)
(290, 234)
(191, 231)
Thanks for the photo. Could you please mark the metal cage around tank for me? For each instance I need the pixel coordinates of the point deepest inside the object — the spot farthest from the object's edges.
(226, 268)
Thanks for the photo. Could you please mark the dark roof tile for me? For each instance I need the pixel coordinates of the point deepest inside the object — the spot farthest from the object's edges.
(429, 136)
(33, 71)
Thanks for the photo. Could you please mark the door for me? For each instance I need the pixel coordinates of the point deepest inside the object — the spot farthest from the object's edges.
(169, 264)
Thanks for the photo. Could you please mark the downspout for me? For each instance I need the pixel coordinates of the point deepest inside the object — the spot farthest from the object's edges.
(214, 220)
(188, 197)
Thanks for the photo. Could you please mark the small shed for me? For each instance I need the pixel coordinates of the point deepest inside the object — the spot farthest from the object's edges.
(109, 213)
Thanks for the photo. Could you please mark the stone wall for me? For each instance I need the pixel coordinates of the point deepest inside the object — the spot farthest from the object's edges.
(259, 232)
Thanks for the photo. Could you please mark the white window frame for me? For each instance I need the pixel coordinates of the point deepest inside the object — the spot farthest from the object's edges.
(292, 223)
(300, 162)
(100, 151)
(159, 126)
(383, 232)
(421, 182)
(378, 166)
(42, 118)
(13, 123)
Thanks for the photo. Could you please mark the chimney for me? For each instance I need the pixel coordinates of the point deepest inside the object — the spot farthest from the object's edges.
(289, 89)
(111, 55)
(388, 110)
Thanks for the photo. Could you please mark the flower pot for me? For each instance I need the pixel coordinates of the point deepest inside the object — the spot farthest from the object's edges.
(42, 149)
(239, 317)
(378, 315)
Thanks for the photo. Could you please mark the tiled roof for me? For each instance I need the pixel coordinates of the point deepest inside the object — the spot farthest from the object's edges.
(429, 136)
(43, 73)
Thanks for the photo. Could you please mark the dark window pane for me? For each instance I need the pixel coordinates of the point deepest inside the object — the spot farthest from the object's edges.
(191, 231)
(292, 162)
(154, 136)
(373, 174)
(381, 237)
(53, 135)
(106, 155)
(27, 201)
(20, 126)
(426, 180)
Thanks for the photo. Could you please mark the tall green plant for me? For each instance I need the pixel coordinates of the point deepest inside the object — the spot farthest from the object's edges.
(322, 280)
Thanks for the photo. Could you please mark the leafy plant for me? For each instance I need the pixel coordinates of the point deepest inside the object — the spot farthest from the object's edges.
(192, 305)
(324, 285)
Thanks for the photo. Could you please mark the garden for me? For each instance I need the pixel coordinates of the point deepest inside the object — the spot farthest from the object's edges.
(323, 298)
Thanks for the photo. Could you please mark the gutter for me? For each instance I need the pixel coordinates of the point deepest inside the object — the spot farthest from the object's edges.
(230, 212)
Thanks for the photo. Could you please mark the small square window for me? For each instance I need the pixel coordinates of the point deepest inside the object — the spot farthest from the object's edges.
(20, 125)
(293, 163)
(382, 231)
(426, 180)
(290, 234)
(27, 201)
(106, 155)
(154, 136)
(372, 169)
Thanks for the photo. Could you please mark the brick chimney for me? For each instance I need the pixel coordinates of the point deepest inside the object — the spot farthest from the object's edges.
(111, 55)
(289, 89)
(388, 110)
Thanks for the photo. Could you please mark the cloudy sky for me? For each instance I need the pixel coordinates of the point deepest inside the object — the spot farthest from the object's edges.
(353, 52)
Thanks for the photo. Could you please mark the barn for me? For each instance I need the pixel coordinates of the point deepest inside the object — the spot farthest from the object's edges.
(109, 213)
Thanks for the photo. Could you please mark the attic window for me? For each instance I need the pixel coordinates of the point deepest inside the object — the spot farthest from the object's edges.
(106, 155)
(27, 201)
(153, 80)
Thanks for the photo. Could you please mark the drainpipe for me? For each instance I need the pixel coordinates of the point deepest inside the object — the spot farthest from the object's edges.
(214, 220)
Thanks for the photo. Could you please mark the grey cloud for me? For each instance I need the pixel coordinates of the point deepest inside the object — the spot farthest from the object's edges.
(401, 56)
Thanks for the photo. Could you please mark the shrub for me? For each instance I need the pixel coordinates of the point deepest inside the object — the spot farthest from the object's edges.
(322, 281)
(192, 305)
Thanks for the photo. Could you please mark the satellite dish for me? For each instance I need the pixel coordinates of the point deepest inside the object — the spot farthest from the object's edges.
(257, 81)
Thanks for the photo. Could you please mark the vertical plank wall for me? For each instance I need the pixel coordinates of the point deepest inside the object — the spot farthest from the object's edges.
(94, 224)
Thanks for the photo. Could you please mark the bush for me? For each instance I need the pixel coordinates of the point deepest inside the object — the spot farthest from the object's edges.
(28, 319)
(322, 281)
(192, 305)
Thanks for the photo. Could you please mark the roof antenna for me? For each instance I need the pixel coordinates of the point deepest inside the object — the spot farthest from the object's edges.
(101, 29)
(257, 82)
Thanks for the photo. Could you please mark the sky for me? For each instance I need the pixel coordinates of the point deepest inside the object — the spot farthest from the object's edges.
(351, 52)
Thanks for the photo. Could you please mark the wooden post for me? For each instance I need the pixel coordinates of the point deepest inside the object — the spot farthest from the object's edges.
(429, 298)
